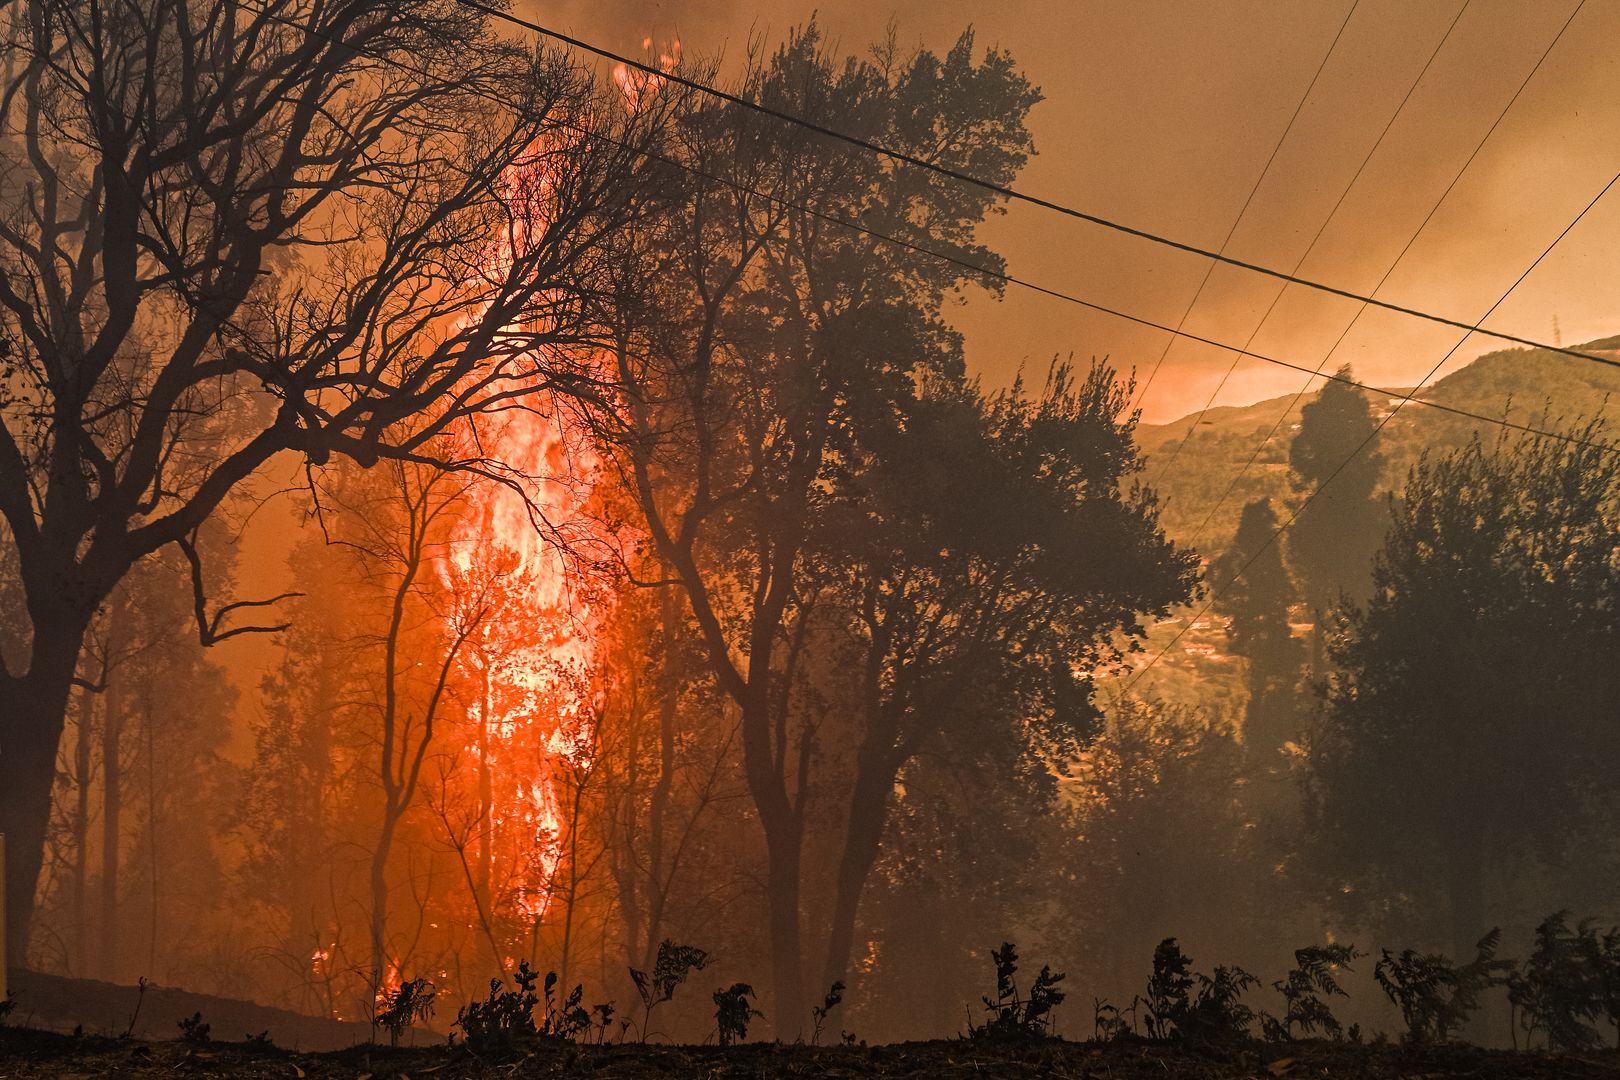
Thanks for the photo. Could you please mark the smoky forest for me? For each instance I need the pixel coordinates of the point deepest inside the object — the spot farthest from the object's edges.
(667, 540)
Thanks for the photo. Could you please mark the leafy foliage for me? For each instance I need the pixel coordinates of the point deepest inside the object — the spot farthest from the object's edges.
(1306, 990)
(1478, 680)
(1565, 984)
(1108, 1021)
(505, 1022)
(1335, 533)
(1435, 996)
(834, 998)
(670, 969)
(1169, 989)
(733, 1009)
(1013, 1016)
(565, 1019)
(1258, 604)
(1216, 1013)
(194, 1029)
(407, 1004)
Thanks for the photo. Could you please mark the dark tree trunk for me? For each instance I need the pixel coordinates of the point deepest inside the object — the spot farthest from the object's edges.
(112, 806)
(379, 907)
(868, 815)
(82, 759)
(784, 848)
(783, 826)
(486, 791)
(29, 740)
(658, 882)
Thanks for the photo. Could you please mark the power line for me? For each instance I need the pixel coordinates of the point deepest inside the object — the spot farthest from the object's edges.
(1243, 210)
(1424, 224)
(997, 275)
(1320, 232)
(1004, 190)
(1407, 399)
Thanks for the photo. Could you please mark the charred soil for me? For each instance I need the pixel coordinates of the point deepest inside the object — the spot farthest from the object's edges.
(29, 1053)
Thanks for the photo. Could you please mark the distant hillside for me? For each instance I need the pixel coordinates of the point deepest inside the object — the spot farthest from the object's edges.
(1529, 386)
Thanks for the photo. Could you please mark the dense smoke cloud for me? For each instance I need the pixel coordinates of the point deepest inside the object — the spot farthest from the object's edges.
(1164, 117)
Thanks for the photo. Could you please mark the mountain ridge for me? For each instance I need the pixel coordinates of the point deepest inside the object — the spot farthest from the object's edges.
(1536, 387)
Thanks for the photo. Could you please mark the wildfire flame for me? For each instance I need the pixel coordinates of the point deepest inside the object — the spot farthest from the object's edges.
(638, 85)
(537, 618)
(533, 619)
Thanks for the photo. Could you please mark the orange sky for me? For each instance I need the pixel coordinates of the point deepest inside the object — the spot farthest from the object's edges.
(1161, 115)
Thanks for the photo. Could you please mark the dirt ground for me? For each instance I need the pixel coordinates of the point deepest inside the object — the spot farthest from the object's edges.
(29, 1053)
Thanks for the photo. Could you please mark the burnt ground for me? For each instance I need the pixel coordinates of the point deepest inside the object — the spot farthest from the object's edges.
(32, 1053)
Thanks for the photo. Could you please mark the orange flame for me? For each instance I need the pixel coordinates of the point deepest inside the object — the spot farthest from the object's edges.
(638, 85)
(537, 618)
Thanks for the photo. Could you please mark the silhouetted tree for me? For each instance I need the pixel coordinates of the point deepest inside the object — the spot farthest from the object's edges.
(1258, 604)
(1469, 726)
(229, 231)
(757, 334)
(990, 554)
(1331, 542)
(1160, 801)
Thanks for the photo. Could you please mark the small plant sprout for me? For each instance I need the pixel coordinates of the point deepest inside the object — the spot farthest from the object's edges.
(140, 995)
(834, 998)
(1107, 1022)
(1561, 990)
(410, 1002)
(601, 1017)
(504, 1021)
(671, 967)
(565, 1018)
(1435, 996)
(733, 1009)
(1169, 989)
(194, 1029)
(1305, 991)
(1013, 1016)
(1215, 1014)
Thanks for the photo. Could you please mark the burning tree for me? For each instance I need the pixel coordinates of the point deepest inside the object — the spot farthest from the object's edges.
(229, 231)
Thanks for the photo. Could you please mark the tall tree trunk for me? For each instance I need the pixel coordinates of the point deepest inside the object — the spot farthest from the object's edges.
(783, 825)
(868, 815)
(486, 790)
(29, 740)
(84, 724)
(112, 805)
(784, 846)
(657, 881)
(379, 908)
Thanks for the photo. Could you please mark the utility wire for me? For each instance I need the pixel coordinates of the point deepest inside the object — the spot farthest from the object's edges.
(1407, 399)
(1004, 190)
(1243, 211)
(995, 275)
(1265, 317)
(1424, 224)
